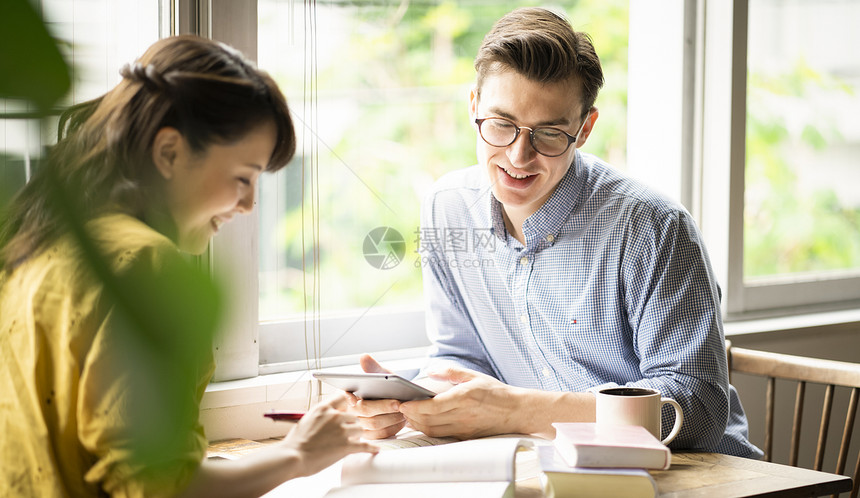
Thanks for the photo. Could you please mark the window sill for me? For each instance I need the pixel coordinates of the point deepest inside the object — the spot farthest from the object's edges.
(801, 324)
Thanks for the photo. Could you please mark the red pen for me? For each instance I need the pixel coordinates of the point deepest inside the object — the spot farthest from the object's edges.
(284, 416)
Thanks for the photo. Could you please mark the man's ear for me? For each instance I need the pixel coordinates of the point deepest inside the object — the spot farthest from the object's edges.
(587, 127)
(166, 151)
(473, 104)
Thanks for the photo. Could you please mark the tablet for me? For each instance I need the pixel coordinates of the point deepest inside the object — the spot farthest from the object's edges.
(376, 385)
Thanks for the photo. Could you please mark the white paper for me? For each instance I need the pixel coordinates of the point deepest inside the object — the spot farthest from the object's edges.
(480, 460)
(426, 490)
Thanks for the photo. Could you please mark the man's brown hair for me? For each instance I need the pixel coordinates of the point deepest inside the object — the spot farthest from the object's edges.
(543, 47)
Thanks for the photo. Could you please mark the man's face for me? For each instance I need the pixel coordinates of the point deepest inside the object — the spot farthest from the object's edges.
(523, 179)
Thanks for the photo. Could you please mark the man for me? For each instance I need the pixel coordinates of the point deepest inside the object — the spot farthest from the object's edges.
(589, 279)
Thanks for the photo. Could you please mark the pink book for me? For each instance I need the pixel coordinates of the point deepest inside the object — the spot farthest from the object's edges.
(621, 446)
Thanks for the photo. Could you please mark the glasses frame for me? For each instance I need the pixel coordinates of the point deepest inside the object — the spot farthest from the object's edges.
(570, 138)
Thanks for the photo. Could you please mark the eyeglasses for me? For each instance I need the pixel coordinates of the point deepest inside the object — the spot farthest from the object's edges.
(546, 140)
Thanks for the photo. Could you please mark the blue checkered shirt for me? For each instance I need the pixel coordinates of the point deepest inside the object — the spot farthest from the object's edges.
(612, 287)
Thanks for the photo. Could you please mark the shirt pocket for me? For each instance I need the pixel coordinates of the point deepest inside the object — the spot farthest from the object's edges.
(596, 336)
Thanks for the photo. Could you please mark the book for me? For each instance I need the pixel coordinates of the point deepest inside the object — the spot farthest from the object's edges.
(481, 468)
(592, 445)
(560, 480)
(425, 490)
(410, 438)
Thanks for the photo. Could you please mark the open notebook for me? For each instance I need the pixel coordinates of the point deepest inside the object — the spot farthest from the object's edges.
(480, 468)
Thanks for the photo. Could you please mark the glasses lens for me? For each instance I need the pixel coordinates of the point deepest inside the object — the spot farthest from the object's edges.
(498, 132)
(550, 141)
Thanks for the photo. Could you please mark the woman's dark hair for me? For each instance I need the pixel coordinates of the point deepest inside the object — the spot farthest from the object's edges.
(103, 157)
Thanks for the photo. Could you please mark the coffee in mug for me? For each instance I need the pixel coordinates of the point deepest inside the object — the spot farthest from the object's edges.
(636, 406)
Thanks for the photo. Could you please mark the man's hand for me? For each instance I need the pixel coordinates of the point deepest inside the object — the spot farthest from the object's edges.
(379, 418)
(469, 405)
(477, 405)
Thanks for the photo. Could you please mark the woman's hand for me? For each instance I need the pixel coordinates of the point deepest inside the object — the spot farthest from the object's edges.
(325, 435)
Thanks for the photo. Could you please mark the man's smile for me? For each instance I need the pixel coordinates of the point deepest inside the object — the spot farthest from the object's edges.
(514, 175)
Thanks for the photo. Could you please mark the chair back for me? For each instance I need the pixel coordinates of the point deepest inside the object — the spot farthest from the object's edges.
(803, 370)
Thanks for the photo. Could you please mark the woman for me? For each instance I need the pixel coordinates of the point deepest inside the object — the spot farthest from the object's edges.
(105, 330)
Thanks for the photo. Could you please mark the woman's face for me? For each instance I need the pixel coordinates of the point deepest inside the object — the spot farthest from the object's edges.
(204, 191)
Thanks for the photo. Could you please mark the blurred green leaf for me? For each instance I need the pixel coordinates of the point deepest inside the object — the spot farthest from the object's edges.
(164, 321)
(31, 66)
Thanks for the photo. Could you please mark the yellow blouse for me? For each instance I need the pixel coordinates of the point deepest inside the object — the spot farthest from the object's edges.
(84, 409)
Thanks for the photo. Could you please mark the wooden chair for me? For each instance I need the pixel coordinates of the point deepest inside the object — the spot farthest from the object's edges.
(803, 370)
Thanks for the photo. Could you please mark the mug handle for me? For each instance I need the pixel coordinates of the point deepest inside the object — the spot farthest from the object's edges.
(679, 419)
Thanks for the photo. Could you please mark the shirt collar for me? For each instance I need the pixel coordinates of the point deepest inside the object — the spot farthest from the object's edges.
(541, 228)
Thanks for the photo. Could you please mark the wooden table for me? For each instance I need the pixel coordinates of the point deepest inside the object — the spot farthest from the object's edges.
(711, 475)
(706, 475)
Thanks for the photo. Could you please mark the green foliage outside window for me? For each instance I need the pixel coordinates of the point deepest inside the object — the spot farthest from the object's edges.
(790, 227)
(391, 101)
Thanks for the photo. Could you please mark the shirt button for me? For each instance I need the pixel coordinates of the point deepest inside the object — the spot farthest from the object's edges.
(546, 372)
(524, 319)
(524, 260)
(550, 238)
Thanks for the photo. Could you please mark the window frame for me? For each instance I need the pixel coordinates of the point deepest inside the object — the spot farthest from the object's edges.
(722, 170)
(234, 257)
(706, 152)
(707, 165)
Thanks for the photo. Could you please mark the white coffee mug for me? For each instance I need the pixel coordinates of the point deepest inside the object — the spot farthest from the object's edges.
(636, 406)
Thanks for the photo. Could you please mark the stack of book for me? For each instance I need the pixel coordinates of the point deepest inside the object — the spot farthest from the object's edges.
(589, 460)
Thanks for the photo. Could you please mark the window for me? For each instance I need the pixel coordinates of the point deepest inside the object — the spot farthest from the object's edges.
(777, 89)
(379, 92)
(801, 201)
(97, 37)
